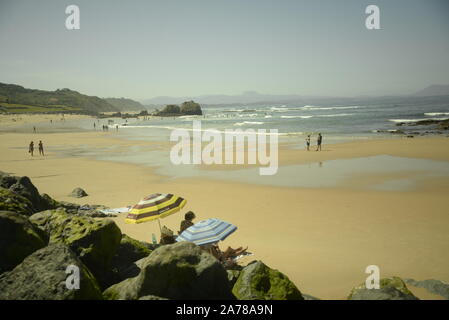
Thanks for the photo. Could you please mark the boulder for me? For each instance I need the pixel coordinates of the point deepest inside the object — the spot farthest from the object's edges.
(390, 289)
(128, 252)
(23, 187)
(9, 201)
(18, 239)
(78, 193)
(42, 276)
(95, 242)
(259, 282)
(177, 271)
(433, 286)
(233, 275)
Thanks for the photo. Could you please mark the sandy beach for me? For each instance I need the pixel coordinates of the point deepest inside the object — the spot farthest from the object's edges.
(321, 238)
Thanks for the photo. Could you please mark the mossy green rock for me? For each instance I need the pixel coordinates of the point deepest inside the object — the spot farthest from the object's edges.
(9, 201)
(128, 251)
(177, 271)
(23, 187)
(18, 239)
(393, 288)
(42, 276)
(95, 242)
(259, 282)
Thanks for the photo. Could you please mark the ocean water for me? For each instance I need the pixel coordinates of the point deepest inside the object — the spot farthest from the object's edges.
(336, 122)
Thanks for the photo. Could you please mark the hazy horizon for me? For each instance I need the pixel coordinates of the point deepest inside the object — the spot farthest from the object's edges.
(146, 49)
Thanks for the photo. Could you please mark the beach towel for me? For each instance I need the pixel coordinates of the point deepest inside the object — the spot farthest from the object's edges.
(116, 210)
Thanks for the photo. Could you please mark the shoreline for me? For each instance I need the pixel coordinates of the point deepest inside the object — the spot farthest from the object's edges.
(321, 238)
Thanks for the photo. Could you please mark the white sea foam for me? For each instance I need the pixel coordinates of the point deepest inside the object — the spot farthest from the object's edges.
(247, 123)
(293, 117)
(414, 120)
(329, 108)
(432, 114)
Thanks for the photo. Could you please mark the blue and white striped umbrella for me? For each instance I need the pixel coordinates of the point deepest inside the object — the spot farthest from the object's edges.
(207, 231)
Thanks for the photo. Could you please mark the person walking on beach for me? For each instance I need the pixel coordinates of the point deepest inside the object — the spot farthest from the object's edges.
(41, 148)
(31, 148)
(308, 142)
(319, 141)
(94, 125)
(187, 222)
(34, 129)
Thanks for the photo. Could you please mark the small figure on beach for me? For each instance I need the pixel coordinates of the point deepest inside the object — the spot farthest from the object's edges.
(319, 141)
(94, 125)
(167, 236)
(41, 148)
(187, 222)
(34, 129)
(116, 127)
(31, 148)
(308, 142)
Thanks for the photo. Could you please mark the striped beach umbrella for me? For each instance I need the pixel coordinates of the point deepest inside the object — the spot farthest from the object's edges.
(207, 231)
(155, 206)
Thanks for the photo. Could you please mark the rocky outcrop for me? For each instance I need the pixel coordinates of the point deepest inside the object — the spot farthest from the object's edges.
(390, 289)
(9, 201)
(128, 252)
(78, 193)
(178, 271)
(23, 187)
(187, 108)
(433, 286)
(42, 276)
(95, 242)
(18, 239)
(259, 282)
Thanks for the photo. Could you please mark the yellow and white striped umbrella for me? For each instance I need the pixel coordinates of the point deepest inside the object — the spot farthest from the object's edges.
(155, 206)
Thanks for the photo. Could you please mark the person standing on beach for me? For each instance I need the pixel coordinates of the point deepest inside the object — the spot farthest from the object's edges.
(94, 125)
(308, 142)
(34, 129)
(319, 141)
(31, 148)
(41, 148)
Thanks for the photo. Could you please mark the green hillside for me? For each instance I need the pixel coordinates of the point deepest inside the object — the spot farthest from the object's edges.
(124, 104)
(14, 98)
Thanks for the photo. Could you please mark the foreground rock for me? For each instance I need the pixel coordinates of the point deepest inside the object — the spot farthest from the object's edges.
(259, 282)
(78, 193)
(95, 242)
(22, 186)
(9, 201)
(128, 252)
(390, 289)
(177, 271)
(434, 286)
(42, 276)
(18, 239)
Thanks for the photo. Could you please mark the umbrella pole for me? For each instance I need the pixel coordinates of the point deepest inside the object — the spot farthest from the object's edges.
(159, 221)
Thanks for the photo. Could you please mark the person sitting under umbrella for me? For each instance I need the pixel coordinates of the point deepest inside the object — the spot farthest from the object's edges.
(187, 222)
(167, 236)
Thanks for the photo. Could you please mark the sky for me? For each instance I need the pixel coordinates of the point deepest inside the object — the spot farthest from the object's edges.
(144, 49)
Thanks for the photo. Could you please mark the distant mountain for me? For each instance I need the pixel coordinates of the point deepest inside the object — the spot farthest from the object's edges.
(124, 104)
(14, 94)
(434, 90)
